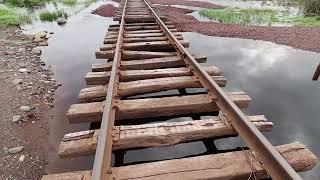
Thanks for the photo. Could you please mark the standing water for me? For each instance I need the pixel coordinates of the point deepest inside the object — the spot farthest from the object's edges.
(70, 53)
(277, 78)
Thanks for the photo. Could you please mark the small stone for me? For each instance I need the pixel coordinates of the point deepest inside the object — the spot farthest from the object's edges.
(21, 50)
(17, 81)
(15, 150)
(23, 70)
(44, 43)
(22, 157)
(36, 51)
(16, 118)
(61, 20)
(22, 65)
(5, 149)
(36, 40)
(33, 122)
(25, 108)
(41, 34)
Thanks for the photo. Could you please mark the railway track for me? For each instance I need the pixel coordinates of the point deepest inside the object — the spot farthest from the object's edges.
(146, 56)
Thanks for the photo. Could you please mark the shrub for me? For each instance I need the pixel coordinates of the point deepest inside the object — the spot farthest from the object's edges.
(52, 16)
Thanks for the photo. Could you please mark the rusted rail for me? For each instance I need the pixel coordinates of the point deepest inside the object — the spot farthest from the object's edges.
(146, 55)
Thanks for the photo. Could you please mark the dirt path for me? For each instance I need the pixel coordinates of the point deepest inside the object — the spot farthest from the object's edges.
(25, 95)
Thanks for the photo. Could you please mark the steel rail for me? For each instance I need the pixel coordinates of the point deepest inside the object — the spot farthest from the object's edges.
(276, 166)
(103, 157)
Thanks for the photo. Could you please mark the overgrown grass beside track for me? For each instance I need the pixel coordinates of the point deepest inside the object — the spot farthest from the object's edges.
(13, 16)
(253, 16)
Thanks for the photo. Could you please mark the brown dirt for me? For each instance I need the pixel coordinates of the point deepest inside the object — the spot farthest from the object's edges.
(33, 90)
(105, 10)
(297, 37)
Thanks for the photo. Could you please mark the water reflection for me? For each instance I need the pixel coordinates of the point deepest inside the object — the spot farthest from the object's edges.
(71, 54)
(277, 78)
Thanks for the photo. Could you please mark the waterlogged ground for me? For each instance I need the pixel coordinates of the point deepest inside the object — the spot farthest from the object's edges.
(277, 78)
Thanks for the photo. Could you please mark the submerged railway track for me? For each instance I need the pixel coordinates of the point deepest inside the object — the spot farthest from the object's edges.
(145, 54)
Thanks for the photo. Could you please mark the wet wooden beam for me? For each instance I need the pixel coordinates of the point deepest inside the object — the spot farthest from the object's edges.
(231, 165)
(131, 88)
(134, 40)
(140, 32)
(137, 18)
(112, 36)
(154, 135)
(140, 24)
(96, 78)
(145, 64)
(137, 28)
(145, 46)
(153, 107)
(133, 55)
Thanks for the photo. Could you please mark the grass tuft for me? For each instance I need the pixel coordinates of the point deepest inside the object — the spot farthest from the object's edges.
(26, 3)
(68, 2)
(52, 16)
(248, 16)
(13, 16)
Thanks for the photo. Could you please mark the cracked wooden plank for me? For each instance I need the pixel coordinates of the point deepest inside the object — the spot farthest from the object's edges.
(231, 165)
(155, 135)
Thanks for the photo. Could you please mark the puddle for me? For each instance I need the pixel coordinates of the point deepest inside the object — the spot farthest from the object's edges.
(71, 54)
(277, 78)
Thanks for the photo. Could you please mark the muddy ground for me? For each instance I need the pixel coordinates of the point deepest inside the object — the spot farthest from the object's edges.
(26, 93)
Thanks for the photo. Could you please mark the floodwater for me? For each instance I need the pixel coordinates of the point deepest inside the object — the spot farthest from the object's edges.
(70, 53)
(277, 78)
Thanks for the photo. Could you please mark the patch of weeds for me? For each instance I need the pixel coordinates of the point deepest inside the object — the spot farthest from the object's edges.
(306, 21)
(13, 16)
(312, 7)
(26, 3)
(52, 16)
(249, 16)
(68, 2)
(88, 2)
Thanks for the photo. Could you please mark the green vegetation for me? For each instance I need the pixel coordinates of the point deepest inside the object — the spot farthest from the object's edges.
(12, 16)
(52, 16)
(259, 17)
(306, 21)
(26, 3)
(68, 2)
(249, 16)
(311, 7)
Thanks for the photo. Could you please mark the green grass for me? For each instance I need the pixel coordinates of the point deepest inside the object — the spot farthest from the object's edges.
(26, 3)
(259, 17)
(306, 21)
(52, 16)
(248, 16)
(13, 16)
(68, 2)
